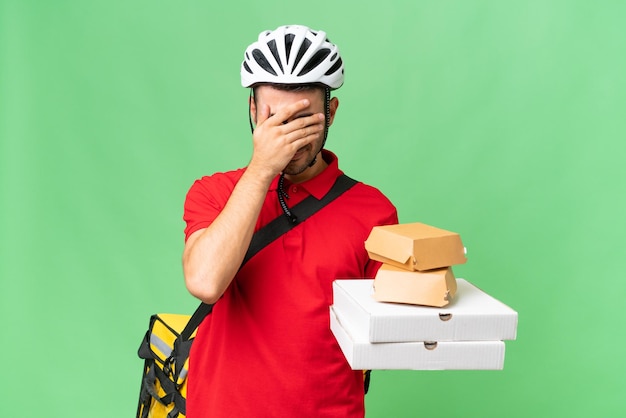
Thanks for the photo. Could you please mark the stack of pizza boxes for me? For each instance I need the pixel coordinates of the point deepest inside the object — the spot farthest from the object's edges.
(415, 314)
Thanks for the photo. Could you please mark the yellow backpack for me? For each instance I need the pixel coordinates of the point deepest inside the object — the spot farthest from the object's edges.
(164, 384)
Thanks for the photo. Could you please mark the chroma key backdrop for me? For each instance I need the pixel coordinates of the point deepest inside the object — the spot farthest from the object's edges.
(500, 120)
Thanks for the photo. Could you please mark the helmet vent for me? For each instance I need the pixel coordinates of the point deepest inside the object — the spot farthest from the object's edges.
(288, 42)
(315, 60)
(245, 66)
(303, 48)
(272, 46)
(260, 59)
(335, 67)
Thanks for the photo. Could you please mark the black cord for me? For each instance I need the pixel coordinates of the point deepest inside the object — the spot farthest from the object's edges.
(250, 110)
(326, 122)
(281, 199)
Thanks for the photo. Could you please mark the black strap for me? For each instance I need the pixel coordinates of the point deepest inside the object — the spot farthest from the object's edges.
(302, 211)
(270, 233)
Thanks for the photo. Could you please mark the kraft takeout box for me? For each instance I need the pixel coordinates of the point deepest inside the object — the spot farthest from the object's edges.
(415, 246)
(361, 354)
(473, 315)
(430, 288)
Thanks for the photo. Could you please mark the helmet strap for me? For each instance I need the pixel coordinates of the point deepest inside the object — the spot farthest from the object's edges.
(326, 123)
(250, 109)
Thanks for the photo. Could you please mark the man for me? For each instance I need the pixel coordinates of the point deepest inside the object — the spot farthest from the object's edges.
(266, 350)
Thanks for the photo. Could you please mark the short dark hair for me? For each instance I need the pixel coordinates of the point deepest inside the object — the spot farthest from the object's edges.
(289, 87)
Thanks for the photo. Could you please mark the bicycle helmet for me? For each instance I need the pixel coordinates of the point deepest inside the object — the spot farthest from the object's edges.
(292, 54)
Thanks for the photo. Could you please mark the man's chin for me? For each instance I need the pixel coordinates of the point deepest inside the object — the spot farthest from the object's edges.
(293, 169)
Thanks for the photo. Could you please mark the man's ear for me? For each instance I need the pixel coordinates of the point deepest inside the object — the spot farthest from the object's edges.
(332, 107)
(252, 106)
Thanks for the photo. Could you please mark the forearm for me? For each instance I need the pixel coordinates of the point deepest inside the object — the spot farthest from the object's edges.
(213, 255)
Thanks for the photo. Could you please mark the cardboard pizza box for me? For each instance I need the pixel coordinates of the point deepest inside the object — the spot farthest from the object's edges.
(472, 315)
(430, 355)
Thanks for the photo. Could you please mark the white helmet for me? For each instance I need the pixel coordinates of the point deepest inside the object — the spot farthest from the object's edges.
(292, 55)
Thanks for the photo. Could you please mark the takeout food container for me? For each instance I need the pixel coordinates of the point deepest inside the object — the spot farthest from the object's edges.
(415, 246)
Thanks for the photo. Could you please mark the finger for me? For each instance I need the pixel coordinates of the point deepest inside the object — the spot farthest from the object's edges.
(289, 111)
(303, 122)
(309, 132)
(304, 141)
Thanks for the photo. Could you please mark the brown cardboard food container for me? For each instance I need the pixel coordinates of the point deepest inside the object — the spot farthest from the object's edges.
(415, 246)
(429, 288)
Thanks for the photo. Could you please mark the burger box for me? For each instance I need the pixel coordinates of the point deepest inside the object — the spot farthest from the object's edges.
(415, 246)
(462, 355)
(430, 288)
(472, 315)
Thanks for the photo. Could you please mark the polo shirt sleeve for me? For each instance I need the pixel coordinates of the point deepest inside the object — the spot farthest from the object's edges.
(205, 200)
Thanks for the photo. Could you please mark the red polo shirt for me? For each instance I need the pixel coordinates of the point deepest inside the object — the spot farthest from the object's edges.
(267, 349)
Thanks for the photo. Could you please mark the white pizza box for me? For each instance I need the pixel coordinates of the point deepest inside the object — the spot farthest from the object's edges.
(451, 355)
(472, 315)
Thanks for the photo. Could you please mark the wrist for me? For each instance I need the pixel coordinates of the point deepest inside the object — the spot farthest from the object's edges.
(261, 172)
(260, 175)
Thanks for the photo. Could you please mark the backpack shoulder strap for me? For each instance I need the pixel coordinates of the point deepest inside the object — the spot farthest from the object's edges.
(302, 210)
(272, 231)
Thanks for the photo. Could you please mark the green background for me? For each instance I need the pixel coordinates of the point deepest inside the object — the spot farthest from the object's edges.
(501, 120)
